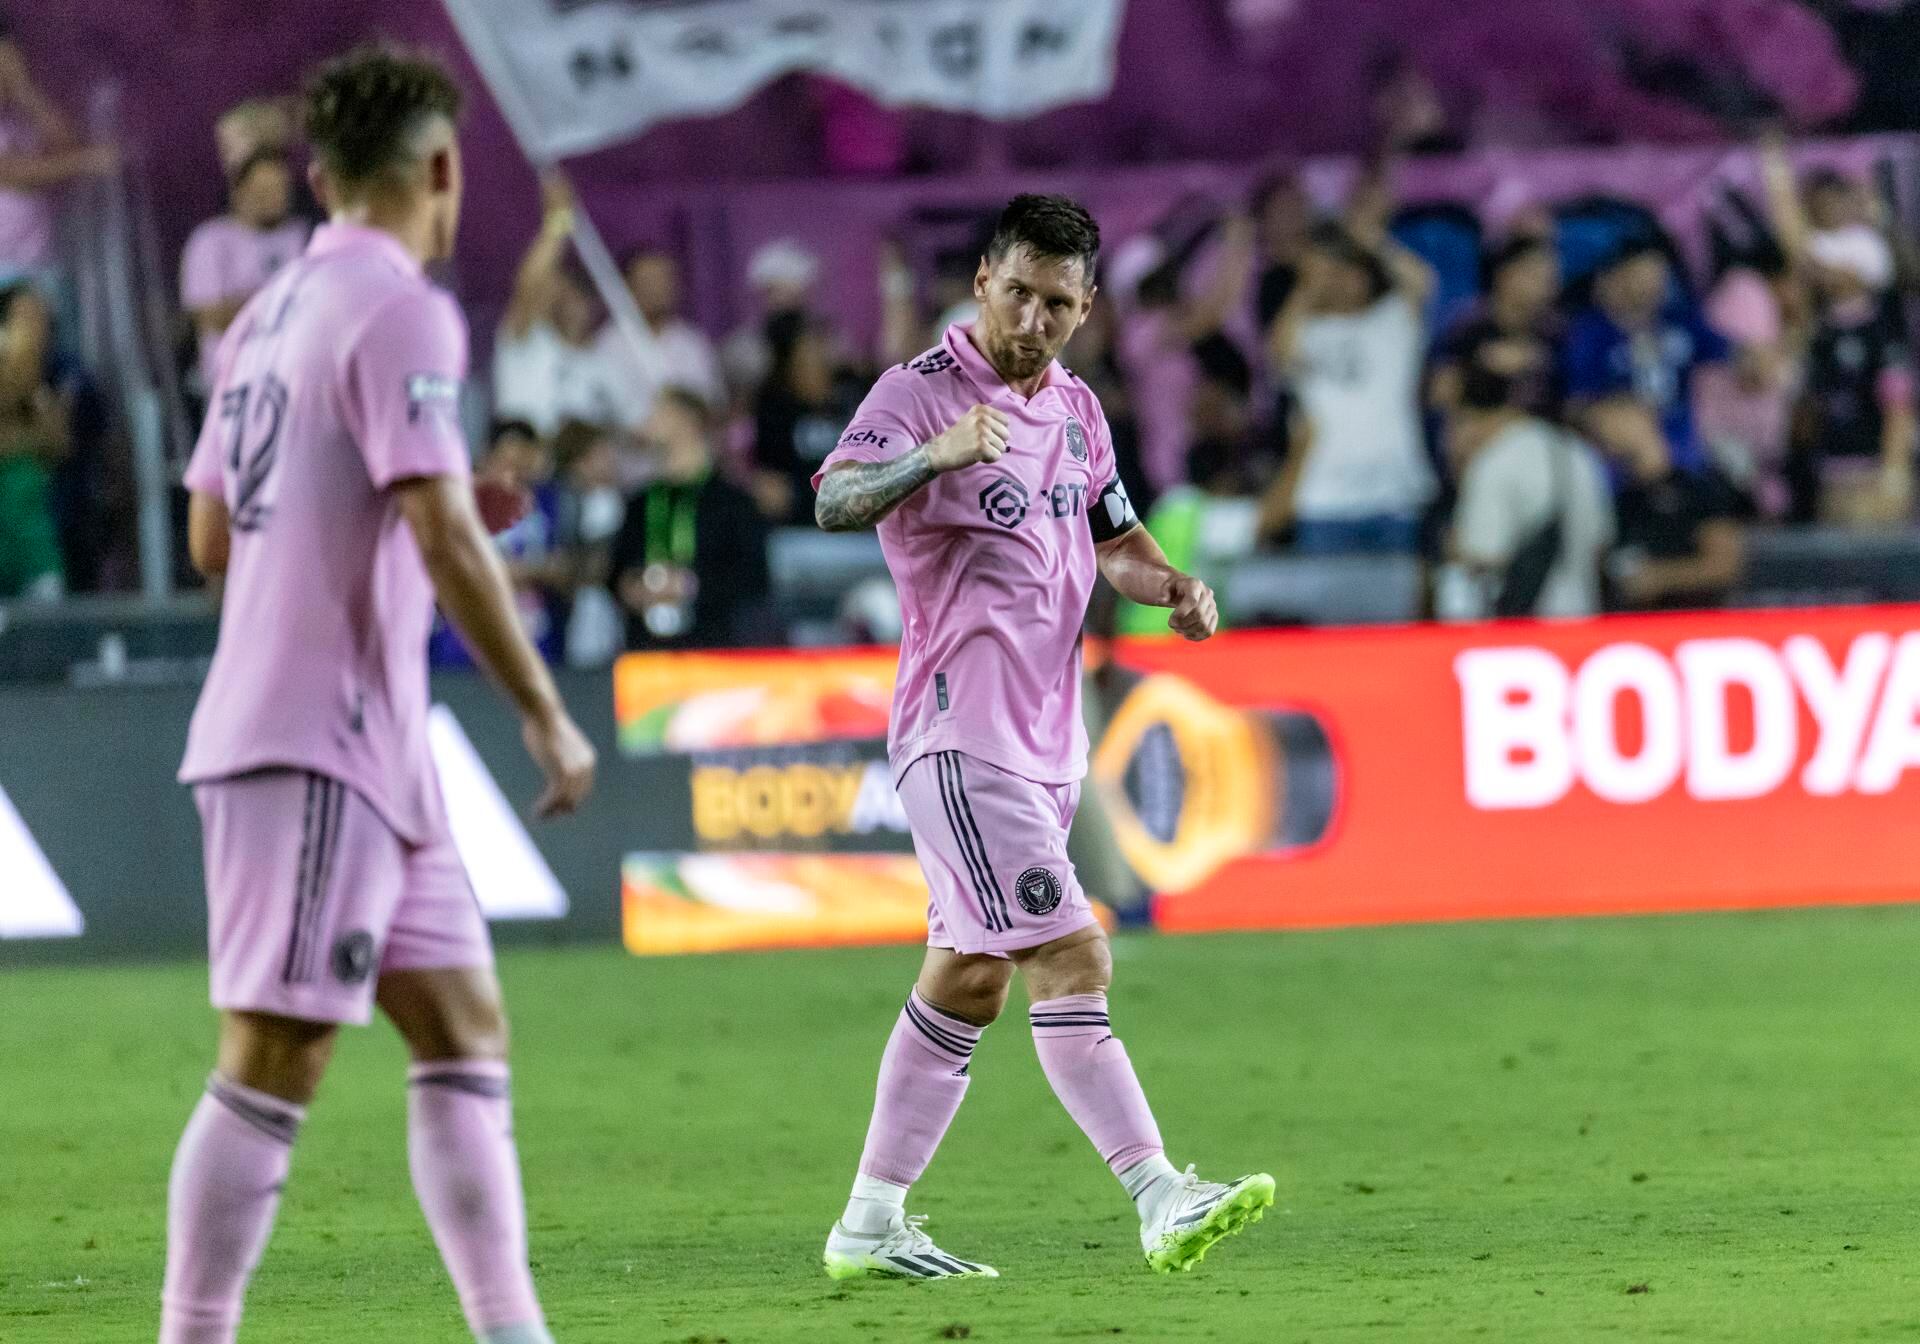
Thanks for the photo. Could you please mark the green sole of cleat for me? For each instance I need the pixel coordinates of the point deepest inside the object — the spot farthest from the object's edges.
(1245, 1207)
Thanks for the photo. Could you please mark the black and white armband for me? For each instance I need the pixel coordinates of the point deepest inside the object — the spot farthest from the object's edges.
(1112, 513)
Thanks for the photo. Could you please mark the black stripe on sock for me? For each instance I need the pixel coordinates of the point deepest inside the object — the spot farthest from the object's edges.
(300, 881)
(1068, 1019)
(1000, 897)
(960, 839)
(957, 1046)
(476, 1084)
(951, 1017)
(280, 1126)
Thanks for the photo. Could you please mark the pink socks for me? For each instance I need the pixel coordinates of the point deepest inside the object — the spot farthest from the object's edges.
(467, 1176)
(1094, 1079)
(923, 1076)
(227, 1176)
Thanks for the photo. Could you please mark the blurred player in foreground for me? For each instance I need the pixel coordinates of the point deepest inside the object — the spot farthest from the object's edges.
(989, 470)
(331, 487)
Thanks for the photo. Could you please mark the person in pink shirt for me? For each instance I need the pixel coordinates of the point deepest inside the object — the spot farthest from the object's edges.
(227, 260)
(989, 472)
(331, 488)
(39, 154)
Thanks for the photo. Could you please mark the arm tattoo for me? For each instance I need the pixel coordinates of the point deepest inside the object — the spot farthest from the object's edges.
(861, 494)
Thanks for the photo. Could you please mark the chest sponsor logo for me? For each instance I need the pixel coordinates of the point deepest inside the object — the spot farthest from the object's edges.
(1076, 441)
(1005, 501)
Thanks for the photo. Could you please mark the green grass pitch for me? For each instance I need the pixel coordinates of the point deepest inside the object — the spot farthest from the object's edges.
(1692, 1129)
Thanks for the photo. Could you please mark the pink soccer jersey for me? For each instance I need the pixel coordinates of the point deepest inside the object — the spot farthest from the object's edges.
(226, 259)
(994, 563)
(339, 378)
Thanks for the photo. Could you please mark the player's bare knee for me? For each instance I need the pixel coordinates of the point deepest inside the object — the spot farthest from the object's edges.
(446, 1014)
(974, 988)
(1080, 963)
(281, 1056)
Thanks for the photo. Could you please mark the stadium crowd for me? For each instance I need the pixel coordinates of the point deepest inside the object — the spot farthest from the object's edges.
(1277, 378)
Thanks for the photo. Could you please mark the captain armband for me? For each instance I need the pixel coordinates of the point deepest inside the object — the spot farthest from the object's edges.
(1112, 513)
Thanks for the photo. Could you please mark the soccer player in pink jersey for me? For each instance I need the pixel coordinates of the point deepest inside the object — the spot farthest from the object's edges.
(989, 471)
(331, 488)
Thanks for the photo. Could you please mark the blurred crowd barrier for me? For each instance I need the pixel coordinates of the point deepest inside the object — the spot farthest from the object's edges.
(1267, 779)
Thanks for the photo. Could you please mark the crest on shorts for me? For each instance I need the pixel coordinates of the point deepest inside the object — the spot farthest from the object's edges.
(1076, 441)
(353, 957)
(1038, 891)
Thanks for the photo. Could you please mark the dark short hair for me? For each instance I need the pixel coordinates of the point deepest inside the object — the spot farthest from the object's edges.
(574, 440)
(697, 407)
(265, 154)
(1632, 249)
(1516, 249)
(1050, 227)
(363, 109)
(514, 426)
(1826, 178)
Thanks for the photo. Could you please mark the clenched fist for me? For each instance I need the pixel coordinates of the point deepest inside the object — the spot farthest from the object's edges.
(978, 436)
(1195, 616)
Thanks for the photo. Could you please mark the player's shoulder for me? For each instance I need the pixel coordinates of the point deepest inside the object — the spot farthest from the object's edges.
(1079, 395)
(930, 379)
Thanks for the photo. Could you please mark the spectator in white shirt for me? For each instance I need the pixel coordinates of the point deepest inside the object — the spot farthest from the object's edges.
(667, 351)
(548, 366)
(1351, 341)
(1534, 518)
(231, 257)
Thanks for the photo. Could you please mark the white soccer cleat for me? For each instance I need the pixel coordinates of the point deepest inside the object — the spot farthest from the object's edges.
(903, 1252)
(1195, 1214)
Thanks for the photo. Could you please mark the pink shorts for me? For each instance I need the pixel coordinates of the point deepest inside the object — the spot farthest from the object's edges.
(994, 848)
(310, 895)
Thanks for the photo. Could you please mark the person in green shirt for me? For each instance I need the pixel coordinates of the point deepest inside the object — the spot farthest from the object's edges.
(35, 435)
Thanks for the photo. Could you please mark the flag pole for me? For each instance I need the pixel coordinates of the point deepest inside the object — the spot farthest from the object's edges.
(587, 239)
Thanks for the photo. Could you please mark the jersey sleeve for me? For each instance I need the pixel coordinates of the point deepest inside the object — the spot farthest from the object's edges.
(1111, 514)
(403, 380)
(888, 423)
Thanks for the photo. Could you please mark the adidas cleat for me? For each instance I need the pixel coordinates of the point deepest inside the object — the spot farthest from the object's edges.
(903, 1252)
(1199, 1213)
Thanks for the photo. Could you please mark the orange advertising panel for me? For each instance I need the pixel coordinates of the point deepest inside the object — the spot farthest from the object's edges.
(1686, 762)
(1305, 778)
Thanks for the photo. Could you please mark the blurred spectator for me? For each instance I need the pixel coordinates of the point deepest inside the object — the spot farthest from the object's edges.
(229, 258)
(1632, 340)
(1533, 519)
(1853, 442)
(547, 366)
(257, 124)
(39, 153)
(781, 275)
(690, 561)
(668, 351)
(1514, 334)
(1743, 408)
(591, 509)
(1351, 341)
(36, 436)
(1283, 221)
(1679, 539)
(797, 419)
(516, 463)
(1163, 327)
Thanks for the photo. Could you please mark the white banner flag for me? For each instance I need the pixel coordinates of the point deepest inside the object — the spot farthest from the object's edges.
(576, 75)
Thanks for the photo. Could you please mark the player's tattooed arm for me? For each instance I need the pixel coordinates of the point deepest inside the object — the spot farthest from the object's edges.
(859, 494)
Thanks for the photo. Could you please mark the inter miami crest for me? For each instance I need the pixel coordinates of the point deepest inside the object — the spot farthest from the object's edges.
(1038, 891)
(1076, 441)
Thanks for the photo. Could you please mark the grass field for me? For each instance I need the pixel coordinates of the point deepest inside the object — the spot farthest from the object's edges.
(1683, 1128)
